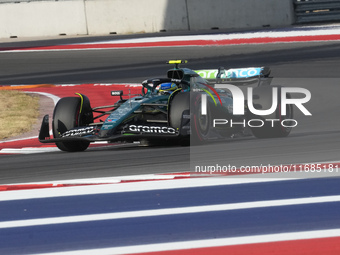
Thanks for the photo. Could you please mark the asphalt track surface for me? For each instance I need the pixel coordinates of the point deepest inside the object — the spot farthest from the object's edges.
(314, 66)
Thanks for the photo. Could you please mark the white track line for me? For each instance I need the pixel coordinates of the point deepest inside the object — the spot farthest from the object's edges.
(20, 139)
(173, 246)
(130, 187)
(278, 33)
(317, 31)
(109, 185)
(51, 96)
(169, 211)
(29, 150)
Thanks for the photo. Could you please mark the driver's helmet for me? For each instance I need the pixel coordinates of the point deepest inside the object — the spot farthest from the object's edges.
(167, 88)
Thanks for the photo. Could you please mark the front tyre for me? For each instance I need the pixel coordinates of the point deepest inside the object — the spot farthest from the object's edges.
(179, 103)
(66, 116)
(200, 129)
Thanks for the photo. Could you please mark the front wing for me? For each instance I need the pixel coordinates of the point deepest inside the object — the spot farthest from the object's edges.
(184, 130)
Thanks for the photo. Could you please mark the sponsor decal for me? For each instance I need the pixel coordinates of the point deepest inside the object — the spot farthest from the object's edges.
(231, 73)
(152, 129)
(79, 132)
(107, 126)
(117, 93)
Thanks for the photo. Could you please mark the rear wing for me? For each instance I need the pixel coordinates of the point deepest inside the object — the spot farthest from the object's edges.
(240, 75)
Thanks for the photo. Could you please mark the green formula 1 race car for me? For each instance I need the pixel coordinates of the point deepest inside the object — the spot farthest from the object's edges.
(182, 106)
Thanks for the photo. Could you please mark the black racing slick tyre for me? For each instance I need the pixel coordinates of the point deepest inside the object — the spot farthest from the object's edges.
(201, 123)
(178, 104)
(65, 117)
(282, 126)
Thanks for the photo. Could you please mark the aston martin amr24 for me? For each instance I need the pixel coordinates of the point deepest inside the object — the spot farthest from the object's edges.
(185, 106)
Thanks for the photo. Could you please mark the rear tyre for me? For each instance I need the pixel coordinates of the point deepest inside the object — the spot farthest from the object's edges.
(66, 116)
(262, 99)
